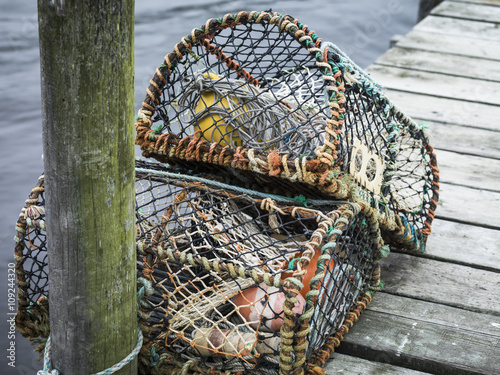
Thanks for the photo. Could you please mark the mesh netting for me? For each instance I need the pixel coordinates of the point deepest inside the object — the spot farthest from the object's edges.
(225, 275)
(404, 165)
(32, 267)
(261, 248)
(260, 93)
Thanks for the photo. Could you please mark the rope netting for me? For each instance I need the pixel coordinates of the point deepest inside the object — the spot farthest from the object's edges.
(263, 95)
(227, 280)
(259, 245)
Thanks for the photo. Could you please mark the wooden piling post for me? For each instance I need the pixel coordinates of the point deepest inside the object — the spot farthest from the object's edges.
(87, 69)
(425, 8)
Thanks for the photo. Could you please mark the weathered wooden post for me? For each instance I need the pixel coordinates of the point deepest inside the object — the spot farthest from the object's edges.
(425, 8)
(87, 66)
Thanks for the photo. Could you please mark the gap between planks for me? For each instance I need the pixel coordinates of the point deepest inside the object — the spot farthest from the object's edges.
(464, 140)
(446, 111)
(463, 244)
(443, 63)
(472, 11)
(450, 44)
(470, 206)
(342, 364)
(445, 283)
(437, 85)
(425, 336)
(469, 171)
(484, 2)
(488, 31)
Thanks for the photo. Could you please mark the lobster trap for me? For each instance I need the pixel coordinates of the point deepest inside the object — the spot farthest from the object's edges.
(261, 97)
(228, 279)
(259, 244)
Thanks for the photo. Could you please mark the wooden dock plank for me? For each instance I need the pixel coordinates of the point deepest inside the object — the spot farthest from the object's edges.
(459, 46)
(425, 336)
(471, 171)
(436, 84)
(470, 206)
(350, 365)
(460, 139)
(438, 62)
(446, 111)
(485, 2)
(460, 28)
(439, 312)
(476, 12)
(464, 244)
(434, 313)
(442, 282)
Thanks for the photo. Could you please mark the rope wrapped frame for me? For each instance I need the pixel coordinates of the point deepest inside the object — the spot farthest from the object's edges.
(328, 234)
(306, 338)
(171, 146)
(31, 265)
(173, 247)
(354, 110)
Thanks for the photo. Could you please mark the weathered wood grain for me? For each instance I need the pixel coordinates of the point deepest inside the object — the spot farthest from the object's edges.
(87, 75)
(447, 111)
(460, 139)
(472, 171)
(461, 28)
(435, 313)
(470, 206)
(439, 311)
(476, 12)
(437, 62)
(464, 244)
(342, 364)
(485, 2)
(436, 84)
(425, 336)
(442, 282)
(460, 46)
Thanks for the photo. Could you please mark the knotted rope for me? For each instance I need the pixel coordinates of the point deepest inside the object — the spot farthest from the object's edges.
(46, 359)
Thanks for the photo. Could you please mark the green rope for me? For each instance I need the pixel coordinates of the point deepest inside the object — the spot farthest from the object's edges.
(301, 200)
(237, 189)
(292, 263)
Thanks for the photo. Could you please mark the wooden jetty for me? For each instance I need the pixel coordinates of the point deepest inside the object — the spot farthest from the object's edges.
(439, 313)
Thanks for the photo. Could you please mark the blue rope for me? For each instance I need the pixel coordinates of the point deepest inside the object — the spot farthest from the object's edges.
(46, 359)
(416, 240)
(46, 362)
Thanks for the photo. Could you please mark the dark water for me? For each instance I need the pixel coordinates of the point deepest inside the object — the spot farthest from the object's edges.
(361, 28)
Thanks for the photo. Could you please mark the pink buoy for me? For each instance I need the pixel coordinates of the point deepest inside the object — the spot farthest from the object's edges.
(262, 307)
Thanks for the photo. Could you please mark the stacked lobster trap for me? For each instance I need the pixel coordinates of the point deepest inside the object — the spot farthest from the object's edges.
(289, 176)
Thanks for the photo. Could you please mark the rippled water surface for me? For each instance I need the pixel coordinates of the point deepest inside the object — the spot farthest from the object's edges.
(361, 28)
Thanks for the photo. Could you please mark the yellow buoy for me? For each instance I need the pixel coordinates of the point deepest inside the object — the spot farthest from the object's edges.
(212, 126)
